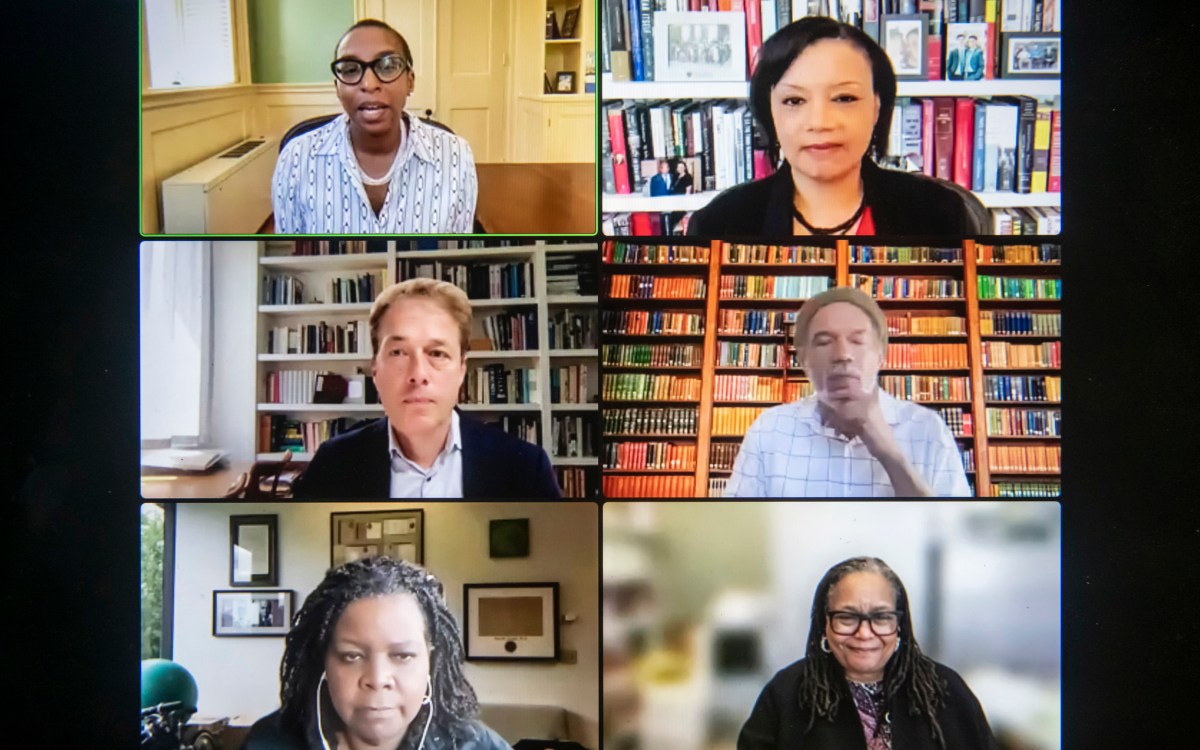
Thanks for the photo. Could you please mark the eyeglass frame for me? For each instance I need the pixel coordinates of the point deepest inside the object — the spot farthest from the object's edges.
(371, 66)
(861, 618)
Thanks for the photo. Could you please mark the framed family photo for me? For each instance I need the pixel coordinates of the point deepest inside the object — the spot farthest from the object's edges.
(1032, 55)
(700, 46)
(510, 621)
(252, 613)
(967, 55)
(904, 38)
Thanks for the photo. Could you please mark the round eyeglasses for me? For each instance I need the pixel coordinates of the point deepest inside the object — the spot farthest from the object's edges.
(387, 69)
(848, 623)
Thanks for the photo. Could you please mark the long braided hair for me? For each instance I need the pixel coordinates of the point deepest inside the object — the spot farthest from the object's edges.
(822, 683)
(312, 628)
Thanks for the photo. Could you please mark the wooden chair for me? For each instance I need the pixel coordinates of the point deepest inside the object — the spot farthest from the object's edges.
(249, 484)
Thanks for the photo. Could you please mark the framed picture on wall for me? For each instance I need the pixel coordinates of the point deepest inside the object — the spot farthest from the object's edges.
(1032, 55)
(700, 46)
(510, 621)
(904, 38)
(252, 613)
(253, 553)
(398, 534)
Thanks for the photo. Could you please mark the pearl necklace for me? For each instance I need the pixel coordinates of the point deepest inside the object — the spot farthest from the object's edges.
(387, 176)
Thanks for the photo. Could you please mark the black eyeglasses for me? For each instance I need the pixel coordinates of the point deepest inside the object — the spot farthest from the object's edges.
(848, 623)
(387, 69)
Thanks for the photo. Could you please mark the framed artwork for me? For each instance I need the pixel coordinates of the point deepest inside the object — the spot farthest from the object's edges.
(566, 82)
(700, 46)
(508, 537)
(1032, 55)
(253, 550)
(904, 38)
(510, 621)
(252, 613)
(398, 534)
(967, 53)
(570, 21)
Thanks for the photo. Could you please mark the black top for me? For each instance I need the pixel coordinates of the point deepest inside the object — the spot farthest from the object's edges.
(495, 465)
(901, 203)
(267, 734)
(779, 723)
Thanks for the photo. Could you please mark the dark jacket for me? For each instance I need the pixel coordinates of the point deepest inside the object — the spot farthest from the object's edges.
(268, 734)
(496, 466)
(901, 204)
(778, 722)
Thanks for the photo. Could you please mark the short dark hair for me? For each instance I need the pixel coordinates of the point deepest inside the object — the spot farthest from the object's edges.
(371, 23)
(782, 49)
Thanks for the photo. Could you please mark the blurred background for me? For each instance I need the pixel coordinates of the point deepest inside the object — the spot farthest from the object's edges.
(704, 602)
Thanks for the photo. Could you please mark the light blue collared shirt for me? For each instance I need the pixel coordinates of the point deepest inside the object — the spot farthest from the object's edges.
(443, 479)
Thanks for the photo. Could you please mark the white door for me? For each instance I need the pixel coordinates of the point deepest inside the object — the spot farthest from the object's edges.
(473, 73)
(417, 21)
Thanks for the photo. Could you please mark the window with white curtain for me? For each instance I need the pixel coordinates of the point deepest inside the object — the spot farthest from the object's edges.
(176, 342)
(189, 42)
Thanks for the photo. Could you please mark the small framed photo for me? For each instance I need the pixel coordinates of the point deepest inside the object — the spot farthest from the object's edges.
(566, 82)
(570, 21)
(252, 613)
(904, 38)
(1032, 55)
(700, 46)
(398, 534)
(253, 556)
(510, 621)
(967, 53)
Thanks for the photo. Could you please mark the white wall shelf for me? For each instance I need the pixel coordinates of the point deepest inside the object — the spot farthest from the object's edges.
(613, 90)
(695, 201)
(572, 299)
(322, 408)
(497, 354)
(316, 308)
(575, 460)
(314, 358)
(346, 262)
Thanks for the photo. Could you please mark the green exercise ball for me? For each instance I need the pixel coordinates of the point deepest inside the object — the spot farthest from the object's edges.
(165, 681)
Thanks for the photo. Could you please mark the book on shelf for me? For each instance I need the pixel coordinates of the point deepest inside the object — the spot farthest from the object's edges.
(621, 252)
(908, 287)
(892, 254)
(278, 432)
(652, 355)
(334, 247)
(722, 455)
(571, 436)
(643, 486)
(925, 324)
(569, 384)
(734, 420)
(958, 420)
(1020, 254)
(428, 243)
(646, 387)
(575, 482)
(496, 384)
(748, 322)
(650, 456)
(1023, 388)
(925, 356)
(1023, 422)
(1045, 459)
(652, 421)
(480, 280)
(645, 286)
(744, 354)
(572, 329)
(927, 387)
(776, 254)
(1026, 489)
(652, 323)
(353, 337)
(571, 273)
(524, 427)
(1001, 354)
(1026, 220)
(318, 387)
(968, 460)
(1014, 287)
(796, 288)
(511, 331)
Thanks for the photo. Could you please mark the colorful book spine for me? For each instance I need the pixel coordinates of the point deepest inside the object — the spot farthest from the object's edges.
(651, 421)
(734, 420)
(641, 487)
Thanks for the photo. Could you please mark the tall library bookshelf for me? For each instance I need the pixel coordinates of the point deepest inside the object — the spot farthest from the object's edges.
(652, 117)
(696, 339)
(532, 365)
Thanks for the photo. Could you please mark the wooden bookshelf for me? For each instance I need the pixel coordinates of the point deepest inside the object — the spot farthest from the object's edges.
(953, 319)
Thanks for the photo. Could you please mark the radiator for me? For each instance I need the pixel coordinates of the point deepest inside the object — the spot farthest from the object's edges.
(229, 193)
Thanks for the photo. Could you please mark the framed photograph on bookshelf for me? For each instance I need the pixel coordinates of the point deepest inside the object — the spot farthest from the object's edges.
(551, 24)
(904, 38)
(700, 46)
(566, 82)
(1032, 55)
(398, 534)
(570, 21)
(253, 554)
(967, 53)
(251, 613)
(510, 621)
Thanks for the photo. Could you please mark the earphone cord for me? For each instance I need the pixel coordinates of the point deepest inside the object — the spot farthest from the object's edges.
(321, 732)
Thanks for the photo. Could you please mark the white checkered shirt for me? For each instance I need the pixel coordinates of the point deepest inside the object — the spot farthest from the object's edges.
(788, 452)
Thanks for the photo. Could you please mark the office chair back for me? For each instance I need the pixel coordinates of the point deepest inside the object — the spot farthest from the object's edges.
(977, 213)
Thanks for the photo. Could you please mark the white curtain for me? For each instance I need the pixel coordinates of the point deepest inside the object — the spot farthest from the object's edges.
(176, 348)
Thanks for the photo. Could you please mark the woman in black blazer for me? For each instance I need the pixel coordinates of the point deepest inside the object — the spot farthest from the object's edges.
(823, 92)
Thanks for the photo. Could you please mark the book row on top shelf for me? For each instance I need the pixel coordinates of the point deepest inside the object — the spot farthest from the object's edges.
(955, 316)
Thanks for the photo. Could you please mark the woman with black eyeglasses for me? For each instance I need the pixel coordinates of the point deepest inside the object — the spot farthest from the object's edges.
(377, 169)
(864, 682)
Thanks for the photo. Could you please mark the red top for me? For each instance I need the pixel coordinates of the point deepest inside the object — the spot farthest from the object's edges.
(866, 225)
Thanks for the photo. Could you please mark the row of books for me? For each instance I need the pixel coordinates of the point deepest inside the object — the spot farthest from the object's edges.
(478, 280)
(285, 289)
(307, 387)
(652, 322)
(1025, 458)
(639, 387)
(1024, 254)
(333, 247)
(496, 384)
(923, 324)
(278, 433)
(1028, 220)
(527, 428)
(958, 420)
(722, 455)
(926, 356)
(650, 456)
(1026, 489)
(652, 355)
(655, 485)
(1022, 388)
(927, 387)
(1001, 354)
(657, 421)
(572, 436)
(640, 286)
(741, 322)
(1019, 322)
(906, 287)
(741, 354)
(571, 273)
(734, 420)
(643, 224)
(574, 482)
(511, 331)
(1023, 422)
(620, 252)
(716, 486)
(425, 243)
(568, 329)
(777, 254)
(968, 460)
(569, 384)
(353, 337)
(1012, 287)
(759, 388)
(773, 287)
(870, 254)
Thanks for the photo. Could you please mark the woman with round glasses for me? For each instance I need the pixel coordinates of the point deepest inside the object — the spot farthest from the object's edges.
(823, 93)
(376, 169)
(374, 659)
(863, 682)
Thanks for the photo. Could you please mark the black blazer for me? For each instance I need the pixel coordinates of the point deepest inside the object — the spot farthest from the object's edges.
(267, 734)
(496, 466)
(901, 204)
(778, 722)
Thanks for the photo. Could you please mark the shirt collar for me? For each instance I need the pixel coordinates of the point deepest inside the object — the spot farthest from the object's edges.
(419, 142)
(453, 443)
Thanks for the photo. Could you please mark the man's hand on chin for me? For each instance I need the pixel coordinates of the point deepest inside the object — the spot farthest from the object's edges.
(855, 413)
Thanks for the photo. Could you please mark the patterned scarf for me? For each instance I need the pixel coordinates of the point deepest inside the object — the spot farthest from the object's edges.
(868, 699)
